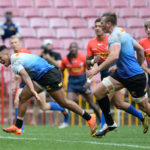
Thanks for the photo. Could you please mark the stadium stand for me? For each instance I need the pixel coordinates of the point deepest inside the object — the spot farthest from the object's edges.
(31, 12)
(41, 19)
(43, 3)
(46, 33)
(50, 12)
(100, 3)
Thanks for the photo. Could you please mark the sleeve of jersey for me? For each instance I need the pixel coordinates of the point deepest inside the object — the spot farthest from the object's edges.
(62, 64)
(134, 41)
(89, 52)
(115, 39)
(17, 67)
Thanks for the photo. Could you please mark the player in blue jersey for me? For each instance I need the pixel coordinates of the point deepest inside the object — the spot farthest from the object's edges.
(129, 73)
(35, 71)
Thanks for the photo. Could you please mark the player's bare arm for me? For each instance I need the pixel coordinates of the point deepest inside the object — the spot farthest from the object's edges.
(24, 75)
(112, 57)
(140, 53)
(56, 63)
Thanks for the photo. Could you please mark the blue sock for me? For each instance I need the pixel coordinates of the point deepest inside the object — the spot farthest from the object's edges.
(16, 114)
(135, 112)
(102, 120)
(54, 106)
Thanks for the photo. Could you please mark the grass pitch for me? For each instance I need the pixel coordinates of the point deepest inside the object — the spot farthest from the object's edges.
(75, 138)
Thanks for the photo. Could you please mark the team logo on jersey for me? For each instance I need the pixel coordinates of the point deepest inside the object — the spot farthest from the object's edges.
(60, 84)
(121, 30)
(81, 64)
(99, 44)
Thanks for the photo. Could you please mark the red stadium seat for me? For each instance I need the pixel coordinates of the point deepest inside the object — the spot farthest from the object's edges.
(27, 33)
(127, 12)
(6, 3)
(100, 3)
(77, 23)
(50, 12)
(65, 33)
(32, 43)
(26, 3)
(85, 43)
(138, 3)
(119, 3)
(135, 22)
(43, 3)
(38, 22)
(31, 12)
(57, 22)
(57, 44)
(22, 21)
(121, 22)
(81, 3)
(15, 11)
(67, 42)
(62, 3)
(84, 33)
(45, 33)
(139, 33)
(104, 10)
(143, 12)
(89, 12)
(91, 22)
(70, 13)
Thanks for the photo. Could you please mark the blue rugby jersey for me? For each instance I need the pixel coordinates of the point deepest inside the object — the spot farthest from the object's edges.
(35, 66)
(127, 65)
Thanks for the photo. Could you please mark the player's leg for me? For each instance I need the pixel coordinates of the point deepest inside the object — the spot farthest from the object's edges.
(59, 96)
(35, 113)
(107, 86)
(72, 96)
(120, 104)
(89, 99)
(129, 108)
(23, 98)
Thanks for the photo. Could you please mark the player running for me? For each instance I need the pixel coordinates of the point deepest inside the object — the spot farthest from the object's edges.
(98, 48)
(129, 73)
(35, 71)
(17, 47)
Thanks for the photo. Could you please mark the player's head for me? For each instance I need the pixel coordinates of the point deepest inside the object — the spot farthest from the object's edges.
(73, 49)
(47, 44)
(8, 16)
(4, 56)
(15, 43)
(147, 28)
(108, 21)
(98, 28)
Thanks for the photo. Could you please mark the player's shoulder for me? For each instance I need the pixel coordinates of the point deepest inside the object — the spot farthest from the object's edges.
(64, 59)
(143, 40)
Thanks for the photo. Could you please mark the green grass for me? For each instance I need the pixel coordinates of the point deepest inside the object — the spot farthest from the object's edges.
(74, 138)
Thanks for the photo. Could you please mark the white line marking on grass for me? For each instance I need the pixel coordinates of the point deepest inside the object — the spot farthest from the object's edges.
(18, 138)
(68, 141)
(110, 144)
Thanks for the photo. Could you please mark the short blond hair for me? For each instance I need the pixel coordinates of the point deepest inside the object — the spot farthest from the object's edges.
(14, 37)
(147, 24)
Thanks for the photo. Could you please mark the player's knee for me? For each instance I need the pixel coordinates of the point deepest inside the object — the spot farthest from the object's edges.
(118, 105)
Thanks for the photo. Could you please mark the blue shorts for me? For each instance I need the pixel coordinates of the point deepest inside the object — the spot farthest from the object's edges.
(76, 83)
